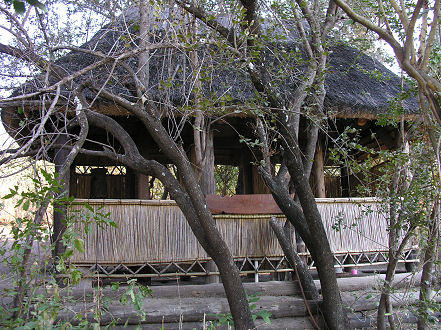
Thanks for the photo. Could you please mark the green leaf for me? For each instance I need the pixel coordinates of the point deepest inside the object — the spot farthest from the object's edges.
(90, 208)
(112, 223)
(37, 4)
(76, 276)
(265, 315)
(79, 244)
(26, 205)
(19, 6)
(124, 300)
(68, 253)
(10, 195)
(267, 319)
(115, 286)
(145, 290)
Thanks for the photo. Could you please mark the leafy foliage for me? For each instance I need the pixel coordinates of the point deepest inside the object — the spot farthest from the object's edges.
(20, 6)
(226, 179)
(227, 319)
(43, 283)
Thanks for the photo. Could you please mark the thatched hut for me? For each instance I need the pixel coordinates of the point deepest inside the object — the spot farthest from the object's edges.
(358, 90)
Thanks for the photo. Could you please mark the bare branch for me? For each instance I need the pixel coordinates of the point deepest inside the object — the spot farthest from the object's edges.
(20, 26)
(37, 132)
(409, 44)
(199, 12)
(79, 73)
(384, 34)
(433, 32)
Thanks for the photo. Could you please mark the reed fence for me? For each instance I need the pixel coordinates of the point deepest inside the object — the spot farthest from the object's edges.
(157, 232)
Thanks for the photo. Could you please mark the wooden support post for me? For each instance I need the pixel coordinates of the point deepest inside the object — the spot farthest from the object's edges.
(259, 186)
(319, 171)
(98, 183)
(211, 267)
(143, 186)
(130, 187)
(73, 182)
(245, 181)
(345, 184)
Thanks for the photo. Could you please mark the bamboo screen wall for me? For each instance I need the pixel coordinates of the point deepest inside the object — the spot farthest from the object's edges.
(156, 231)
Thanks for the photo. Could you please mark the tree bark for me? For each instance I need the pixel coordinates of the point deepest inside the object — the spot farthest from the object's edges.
(188, 196)
(318, 171)
(59, 224)
(317, 243)
(208, 183)
(429, 259)
(306, 281)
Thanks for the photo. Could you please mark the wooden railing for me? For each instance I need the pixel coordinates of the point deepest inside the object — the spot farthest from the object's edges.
(157, 232)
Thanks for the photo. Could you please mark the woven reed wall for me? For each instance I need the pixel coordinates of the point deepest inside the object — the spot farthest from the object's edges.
(354, 224)
(156, 231)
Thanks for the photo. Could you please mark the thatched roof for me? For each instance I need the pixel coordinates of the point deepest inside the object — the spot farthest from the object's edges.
(357, 85)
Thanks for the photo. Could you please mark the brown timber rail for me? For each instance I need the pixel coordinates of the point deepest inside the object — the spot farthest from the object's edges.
(152, 233)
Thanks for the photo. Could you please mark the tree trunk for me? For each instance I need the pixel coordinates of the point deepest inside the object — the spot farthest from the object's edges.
(307, 221)
(318, 171)
(317, 241)
(59, 225)
(384, 304)
(208, 183)
(306, 281)
(429, 267)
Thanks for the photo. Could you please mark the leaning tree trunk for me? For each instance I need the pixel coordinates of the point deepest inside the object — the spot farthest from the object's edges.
(59, 224)
(187, 195)
(62, 170)
(427, 277)
(317, 240)
(305, 278)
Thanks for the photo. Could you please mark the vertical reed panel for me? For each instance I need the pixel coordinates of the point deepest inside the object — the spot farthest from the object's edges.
(156, 231)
